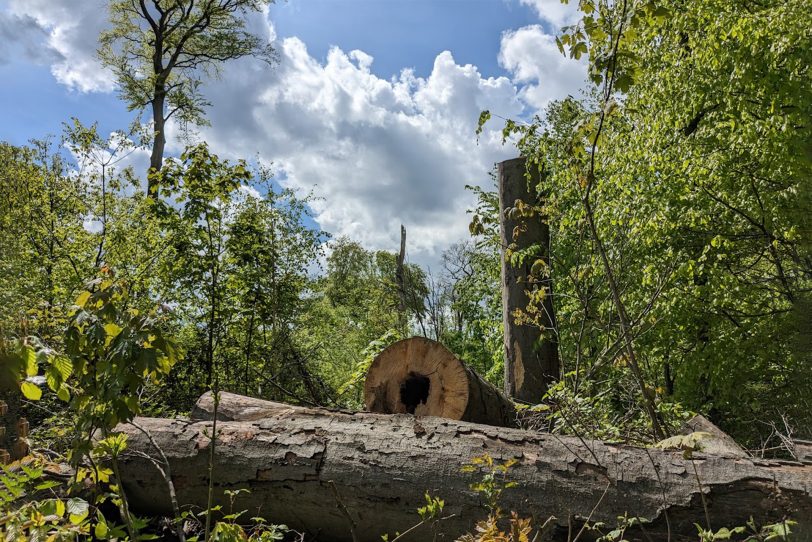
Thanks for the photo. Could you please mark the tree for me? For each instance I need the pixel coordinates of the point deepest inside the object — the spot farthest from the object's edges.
(202, 188)
(273, 251)
(44, 249)
(159, 49)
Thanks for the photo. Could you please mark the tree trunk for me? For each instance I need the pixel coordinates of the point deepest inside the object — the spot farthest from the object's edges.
(531, 355)
(400, 278)
(382, 466)
(156, 158)
(421, 376)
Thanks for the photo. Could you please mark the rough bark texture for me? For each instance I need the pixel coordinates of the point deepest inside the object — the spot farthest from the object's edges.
(420, 376)
(240, 408)
(382, 465)
(13, 427)
(531, 361)
(718, 443)
(802, 449)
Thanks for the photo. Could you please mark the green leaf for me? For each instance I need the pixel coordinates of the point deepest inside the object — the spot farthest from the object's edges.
(82, 299)
(112, 329)
(578, 50)
(101, 530)
(63, 394)
(52, 507)
(77, 510)
(484, 117)
(64, 366)
(31, 391)
(30, 361)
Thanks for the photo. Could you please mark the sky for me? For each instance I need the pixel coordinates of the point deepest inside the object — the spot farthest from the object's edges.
(372, 106)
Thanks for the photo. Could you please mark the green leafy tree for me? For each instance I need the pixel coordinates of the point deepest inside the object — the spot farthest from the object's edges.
(273, 252)
(112, 351)
(201, 187)
(159, 51)
(46, 251)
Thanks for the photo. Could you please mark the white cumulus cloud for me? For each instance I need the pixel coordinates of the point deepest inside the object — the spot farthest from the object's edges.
(71, 30)
(379, 152)
(533, 58)
(554, 12)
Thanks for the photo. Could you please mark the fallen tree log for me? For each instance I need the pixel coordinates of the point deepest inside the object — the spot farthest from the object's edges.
(382, 465)
(240, 408)
(420, 376)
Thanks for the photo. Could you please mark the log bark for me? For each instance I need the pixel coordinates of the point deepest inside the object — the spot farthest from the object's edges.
(13, 426)
(531, 355)
(717, 442)
(296, 459)
(420, 376)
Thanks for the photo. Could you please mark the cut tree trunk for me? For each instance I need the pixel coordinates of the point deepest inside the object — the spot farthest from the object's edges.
(531, 355)
(381, 466)
(233, 407)
(420, 376)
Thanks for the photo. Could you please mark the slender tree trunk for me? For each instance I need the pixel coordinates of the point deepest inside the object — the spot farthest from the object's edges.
(249, 343)
(620, 307)
(156, 159)
(400, 277)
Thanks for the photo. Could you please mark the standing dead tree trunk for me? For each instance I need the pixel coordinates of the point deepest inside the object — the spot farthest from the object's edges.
(382, 465)
(531, 352)
(421, 376)
(400, 278)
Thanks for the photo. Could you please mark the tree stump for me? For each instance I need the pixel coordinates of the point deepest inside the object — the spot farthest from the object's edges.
(422, 377)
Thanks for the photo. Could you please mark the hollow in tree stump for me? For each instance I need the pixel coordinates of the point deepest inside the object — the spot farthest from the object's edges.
(422, 377)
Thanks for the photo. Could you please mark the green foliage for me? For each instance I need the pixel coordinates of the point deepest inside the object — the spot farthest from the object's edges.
(493, 482)
(432, 510)
(690, 162)
(33, 507)
(351, 390)
(229, 528)
(173, 43)
(617, 534)
(236, 276)
(579, 406)
(690, 443)
(752, 532)
(111, 351)
(41, 227)
(490, 487)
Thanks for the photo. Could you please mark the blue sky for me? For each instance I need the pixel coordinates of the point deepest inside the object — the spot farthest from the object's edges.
(402, 34)
(372, 106)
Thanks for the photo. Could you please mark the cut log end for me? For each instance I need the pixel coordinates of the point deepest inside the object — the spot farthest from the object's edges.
(422, 377)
